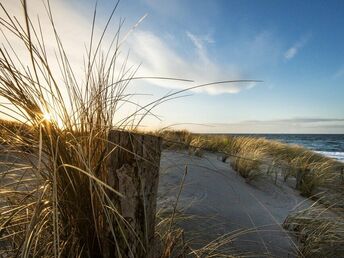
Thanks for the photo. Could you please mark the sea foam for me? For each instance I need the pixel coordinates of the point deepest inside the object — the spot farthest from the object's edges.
(333, 154)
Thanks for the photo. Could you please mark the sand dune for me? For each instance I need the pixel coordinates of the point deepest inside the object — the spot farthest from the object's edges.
(220, 202)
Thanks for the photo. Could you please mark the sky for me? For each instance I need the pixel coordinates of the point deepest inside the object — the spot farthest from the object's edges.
(294, 47)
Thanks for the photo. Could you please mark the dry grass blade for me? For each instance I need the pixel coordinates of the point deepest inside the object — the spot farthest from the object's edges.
(58, 203)
(55, 198)
(319, 231)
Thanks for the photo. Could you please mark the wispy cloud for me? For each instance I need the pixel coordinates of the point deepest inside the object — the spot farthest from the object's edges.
(199, 42)
(296, 47)
(292, 125)
(160, 59)
(298, 120)
(157, 56)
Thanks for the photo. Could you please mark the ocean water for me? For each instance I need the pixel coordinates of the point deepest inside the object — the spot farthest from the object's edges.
(331, 145)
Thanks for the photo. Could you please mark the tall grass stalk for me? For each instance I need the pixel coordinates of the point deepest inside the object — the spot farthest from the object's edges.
(55, 200)
(320, 231)
(63, 206)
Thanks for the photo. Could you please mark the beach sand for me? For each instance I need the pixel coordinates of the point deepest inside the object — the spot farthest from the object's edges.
(220, 202)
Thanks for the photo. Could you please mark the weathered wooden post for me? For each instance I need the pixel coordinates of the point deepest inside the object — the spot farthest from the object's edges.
(134, 172)
(299, 178)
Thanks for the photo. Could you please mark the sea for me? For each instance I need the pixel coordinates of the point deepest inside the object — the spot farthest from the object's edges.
(331, 145)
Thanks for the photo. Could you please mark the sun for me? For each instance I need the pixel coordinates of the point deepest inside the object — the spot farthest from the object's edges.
(47, 117)
(52, 118)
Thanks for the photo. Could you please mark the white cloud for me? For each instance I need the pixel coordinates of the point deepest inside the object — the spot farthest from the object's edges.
(73, 29)
(295, 48)
(157, 56)
(291, 52)
(293, 125)
(199, 43)
(160, 59)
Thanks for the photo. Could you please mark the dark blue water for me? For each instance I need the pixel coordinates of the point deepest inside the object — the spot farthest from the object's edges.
(331, 145)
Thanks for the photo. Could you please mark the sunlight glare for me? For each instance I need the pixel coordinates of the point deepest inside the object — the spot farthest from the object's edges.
(47, 117)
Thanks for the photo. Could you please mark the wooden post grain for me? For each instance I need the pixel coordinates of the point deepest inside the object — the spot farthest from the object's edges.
(134, 172)
(299, 179)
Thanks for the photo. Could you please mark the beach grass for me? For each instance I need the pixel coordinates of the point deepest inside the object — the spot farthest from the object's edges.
(319, 228)
(254, 157)
(54, 197)
(320, 231)
(55, 200)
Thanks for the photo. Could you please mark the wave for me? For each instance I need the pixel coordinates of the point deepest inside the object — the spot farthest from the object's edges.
(333, 154)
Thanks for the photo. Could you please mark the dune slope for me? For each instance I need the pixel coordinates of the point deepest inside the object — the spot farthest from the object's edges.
(220, 202)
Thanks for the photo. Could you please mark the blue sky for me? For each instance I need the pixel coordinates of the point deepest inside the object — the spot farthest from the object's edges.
(295, 47)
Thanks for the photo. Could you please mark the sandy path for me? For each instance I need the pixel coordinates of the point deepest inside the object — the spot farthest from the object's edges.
(222, 202)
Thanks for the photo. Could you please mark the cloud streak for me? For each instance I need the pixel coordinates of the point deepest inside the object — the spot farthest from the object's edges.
(292, 125)
(156, 55)
(160, 59)
(296, 47)
(298, 120)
